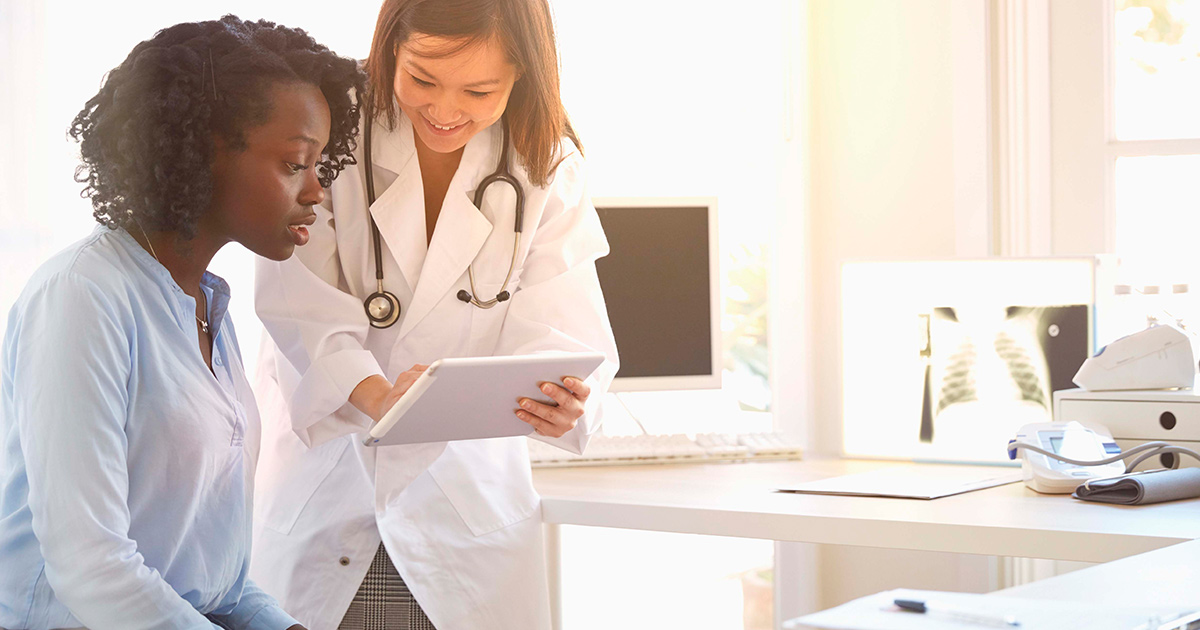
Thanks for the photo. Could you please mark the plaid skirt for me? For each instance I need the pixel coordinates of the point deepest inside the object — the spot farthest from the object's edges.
(383, 602)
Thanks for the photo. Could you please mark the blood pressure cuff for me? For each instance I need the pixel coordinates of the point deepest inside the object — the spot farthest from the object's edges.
(1141, 488)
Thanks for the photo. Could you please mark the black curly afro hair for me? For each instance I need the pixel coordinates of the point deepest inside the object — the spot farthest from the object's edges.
(146, 138)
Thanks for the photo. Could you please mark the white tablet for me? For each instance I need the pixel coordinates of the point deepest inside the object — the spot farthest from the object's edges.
(473, 398)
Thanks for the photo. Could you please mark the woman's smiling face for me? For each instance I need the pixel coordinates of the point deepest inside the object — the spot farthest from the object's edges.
(451, 97)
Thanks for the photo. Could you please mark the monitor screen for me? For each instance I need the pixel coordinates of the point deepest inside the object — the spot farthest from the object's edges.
(660, 286)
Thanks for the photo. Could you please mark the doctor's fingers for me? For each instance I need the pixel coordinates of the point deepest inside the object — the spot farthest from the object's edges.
(577, 387)
(541, 426)
(568, 403)
(403, 383)
(562, 418)
(412, 374)
(564, 397)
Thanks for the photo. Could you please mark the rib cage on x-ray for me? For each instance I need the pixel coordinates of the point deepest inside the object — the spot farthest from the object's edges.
(1014, 342)
(1021, 367)
(958, 381)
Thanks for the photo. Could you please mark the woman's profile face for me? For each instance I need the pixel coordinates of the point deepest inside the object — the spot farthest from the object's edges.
(450, 98)
(263, 194)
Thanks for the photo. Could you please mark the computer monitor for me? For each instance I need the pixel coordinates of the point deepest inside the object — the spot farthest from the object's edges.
(661, 285)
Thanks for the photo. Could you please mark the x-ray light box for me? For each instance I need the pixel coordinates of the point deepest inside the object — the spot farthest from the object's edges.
(945, 360)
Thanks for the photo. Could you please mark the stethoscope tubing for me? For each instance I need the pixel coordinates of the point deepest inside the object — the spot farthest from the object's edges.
(511, 265)
(501, 174)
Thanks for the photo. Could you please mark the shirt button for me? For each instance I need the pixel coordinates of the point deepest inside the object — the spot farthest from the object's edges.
(344, 561)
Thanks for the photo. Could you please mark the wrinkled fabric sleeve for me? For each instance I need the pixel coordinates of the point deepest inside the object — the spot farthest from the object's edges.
(72, 364)
(559, 305)
(321, 331)
(255, 610)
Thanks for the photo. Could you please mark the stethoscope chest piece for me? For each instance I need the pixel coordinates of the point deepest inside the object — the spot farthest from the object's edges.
(383, 309)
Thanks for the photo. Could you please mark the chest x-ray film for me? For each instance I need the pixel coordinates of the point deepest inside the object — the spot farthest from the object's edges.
(946, 360)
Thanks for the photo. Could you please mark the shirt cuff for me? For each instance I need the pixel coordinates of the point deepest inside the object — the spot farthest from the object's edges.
(271, 618)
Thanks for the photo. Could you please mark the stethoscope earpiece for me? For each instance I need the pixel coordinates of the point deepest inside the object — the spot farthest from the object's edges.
(383, 308)
(466, 297)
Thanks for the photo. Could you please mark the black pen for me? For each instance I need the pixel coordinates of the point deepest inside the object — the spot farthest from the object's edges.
(918, 606)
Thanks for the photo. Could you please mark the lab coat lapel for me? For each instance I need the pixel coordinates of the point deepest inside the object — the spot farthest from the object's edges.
(460, 232)
(399, 211)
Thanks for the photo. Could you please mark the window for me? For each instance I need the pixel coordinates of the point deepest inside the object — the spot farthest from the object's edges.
(1156, 76)
(1126, 144)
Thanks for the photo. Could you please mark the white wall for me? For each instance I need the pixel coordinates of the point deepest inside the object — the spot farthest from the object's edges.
(881, 155)
(883, 187)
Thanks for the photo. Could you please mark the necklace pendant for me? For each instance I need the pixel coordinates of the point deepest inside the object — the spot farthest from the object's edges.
(203, 325)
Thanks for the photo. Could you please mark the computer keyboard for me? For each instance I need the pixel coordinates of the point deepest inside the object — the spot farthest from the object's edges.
(613, 450)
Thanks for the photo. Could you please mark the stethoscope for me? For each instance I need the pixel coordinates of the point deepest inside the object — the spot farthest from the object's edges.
(383, 308)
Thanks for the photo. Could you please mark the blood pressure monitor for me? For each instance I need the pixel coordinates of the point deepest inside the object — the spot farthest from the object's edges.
(1071, 440)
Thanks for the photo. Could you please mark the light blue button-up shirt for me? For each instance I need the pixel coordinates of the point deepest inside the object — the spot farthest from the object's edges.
(126, 465)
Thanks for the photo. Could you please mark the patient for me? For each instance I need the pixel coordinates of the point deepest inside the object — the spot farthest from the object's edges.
(129, 430)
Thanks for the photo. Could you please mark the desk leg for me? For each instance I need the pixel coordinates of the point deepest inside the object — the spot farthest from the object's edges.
(554, 572)
(797, 580)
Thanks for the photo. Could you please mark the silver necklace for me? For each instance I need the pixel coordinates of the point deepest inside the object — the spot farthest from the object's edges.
(203, 323)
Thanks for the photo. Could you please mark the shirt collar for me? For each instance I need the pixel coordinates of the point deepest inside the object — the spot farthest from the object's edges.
(394, 149)
(217, 289)
(218, 299)
(145, 260)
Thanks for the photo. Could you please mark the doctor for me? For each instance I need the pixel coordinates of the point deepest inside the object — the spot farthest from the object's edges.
(444, 535)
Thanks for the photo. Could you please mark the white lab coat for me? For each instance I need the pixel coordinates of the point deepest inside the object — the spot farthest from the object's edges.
(461, 521)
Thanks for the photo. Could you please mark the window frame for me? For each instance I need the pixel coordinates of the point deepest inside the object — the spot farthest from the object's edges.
(1083, 128)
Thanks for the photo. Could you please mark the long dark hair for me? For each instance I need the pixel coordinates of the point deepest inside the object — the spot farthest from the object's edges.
(537, 120)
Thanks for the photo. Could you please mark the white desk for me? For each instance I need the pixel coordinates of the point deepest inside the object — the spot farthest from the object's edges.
(1163, 578)
(737, 500)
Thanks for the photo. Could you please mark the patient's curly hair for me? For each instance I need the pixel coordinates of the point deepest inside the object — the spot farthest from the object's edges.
(146, 138)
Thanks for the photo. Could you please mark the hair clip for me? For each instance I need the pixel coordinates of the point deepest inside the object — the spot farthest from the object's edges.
(212, 68)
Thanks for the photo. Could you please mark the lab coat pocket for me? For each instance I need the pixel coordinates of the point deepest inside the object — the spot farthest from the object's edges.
(488, 482)
(283, 506)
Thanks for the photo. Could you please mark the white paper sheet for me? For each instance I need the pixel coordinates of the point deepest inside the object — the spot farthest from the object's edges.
(928, 481)
(877, 612)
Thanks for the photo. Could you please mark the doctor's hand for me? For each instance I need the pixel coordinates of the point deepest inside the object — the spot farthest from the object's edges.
(554, 421)
(375, 395)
